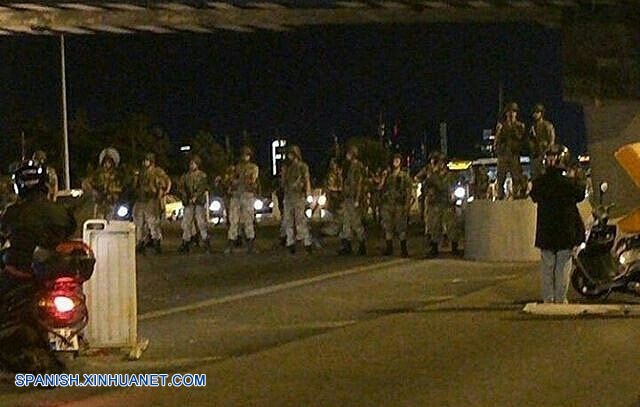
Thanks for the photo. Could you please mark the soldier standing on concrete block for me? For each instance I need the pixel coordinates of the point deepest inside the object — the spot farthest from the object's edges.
(395, 187)
(193, 187)
(244, 185)
(542, 135)
(559, 228)
(297, 186)
(353, 191)
(508, 145)
(152, 185)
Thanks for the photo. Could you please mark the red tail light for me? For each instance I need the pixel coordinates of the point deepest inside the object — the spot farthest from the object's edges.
(62, 303)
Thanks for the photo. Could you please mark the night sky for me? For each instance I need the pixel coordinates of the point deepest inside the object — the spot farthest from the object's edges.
(305, 85)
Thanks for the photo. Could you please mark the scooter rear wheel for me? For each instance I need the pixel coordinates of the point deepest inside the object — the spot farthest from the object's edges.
(585, 287)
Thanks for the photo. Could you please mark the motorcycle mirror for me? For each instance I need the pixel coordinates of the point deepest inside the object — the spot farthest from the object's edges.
(604, 187)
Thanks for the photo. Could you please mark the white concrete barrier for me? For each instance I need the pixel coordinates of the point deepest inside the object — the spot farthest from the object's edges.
(501, 231)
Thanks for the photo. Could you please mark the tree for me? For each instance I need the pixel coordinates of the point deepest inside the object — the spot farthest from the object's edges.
(213, 155)
(371, 153)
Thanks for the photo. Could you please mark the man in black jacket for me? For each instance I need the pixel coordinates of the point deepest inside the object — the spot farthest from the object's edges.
(559, 228)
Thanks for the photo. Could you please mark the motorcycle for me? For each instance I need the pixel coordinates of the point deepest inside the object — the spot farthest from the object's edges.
(603, 265)
(44, 312)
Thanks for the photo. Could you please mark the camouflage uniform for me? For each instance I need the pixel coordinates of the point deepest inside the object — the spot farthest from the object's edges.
(52, 182)
(508, 145)
(243, 196)
(296, 188)
(437, 201)
(151, 185)
(396, 198)
(542, 135)
(7, 194)
(352, 205)
(481, 183)
(333, 188)
(193, 187)
(106, 186)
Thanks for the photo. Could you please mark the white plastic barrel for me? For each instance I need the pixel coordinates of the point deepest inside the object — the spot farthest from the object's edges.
(111, 291)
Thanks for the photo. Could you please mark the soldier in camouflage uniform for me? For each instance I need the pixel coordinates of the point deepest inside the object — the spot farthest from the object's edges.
(151, 185)
(481, 183)
(192, 189)
(333, 186)
(542, 135)
(244, 185)
(352, 208)
(508, 145)
(436, 181)
(395, 188)
(297, 186)
(105, 185)
(7, 194)
(52, 184)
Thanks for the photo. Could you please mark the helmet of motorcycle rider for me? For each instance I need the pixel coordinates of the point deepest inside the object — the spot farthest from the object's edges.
(29, 178)
(557, 156)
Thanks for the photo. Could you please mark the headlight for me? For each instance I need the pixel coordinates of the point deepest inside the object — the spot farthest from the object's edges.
(271, 204)
(322, 200)
(122, 211)
(308, 213)
(258, 205)
(215, 206)
(459, 202)
(460, 192)
(470, 199)
(309, 199)
(323, 213)
(215, 220)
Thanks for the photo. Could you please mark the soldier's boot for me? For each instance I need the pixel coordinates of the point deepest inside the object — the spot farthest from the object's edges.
(308, 248)
(292, 249)
(454, 248)
(157, 247)
(403, 249)
(251, 246)
(433, 251)
(195, 240)
(283, 241)
(184, 247)
(345, 247)
(207, 244)
(141, 248)
(229, 248)
(362, 248)
(388, 250)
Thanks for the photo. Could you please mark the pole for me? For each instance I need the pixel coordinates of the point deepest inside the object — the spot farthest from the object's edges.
(65, 130)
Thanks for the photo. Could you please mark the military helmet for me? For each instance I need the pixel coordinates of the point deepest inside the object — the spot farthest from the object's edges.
(111, 153)
(437, 155)
(295, 150)
(353, 150)
(511, 107)
(151, 157)
(557, 156)
(246, 150)
(539, 107)
(196, 159)
(40, 156)
(31, 176)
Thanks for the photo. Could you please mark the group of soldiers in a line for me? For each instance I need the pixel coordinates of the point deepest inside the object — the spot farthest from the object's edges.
(347, 189)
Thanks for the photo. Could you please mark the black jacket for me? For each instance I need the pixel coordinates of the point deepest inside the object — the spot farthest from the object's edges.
(34, 223)
(559, 225)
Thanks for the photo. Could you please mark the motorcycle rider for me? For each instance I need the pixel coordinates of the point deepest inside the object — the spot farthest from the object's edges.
(34, 221)
(559, 227)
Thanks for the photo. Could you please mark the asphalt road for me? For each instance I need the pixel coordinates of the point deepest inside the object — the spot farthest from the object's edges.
(323, 330)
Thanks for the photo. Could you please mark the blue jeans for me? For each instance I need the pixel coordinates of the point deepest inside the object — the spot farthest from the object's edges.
(556, 273)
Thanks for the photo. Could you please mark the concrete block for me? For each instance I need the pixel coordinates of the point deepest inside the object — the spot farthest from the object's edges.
(501, 231)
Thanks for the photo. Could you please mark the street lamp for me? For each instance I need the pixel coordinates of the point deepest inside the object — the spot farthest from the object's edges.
(65, 129)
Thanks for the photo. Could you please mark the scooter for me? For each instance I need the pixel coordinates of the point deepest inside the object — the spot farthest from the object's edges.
(602, 265)
(45, 311)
